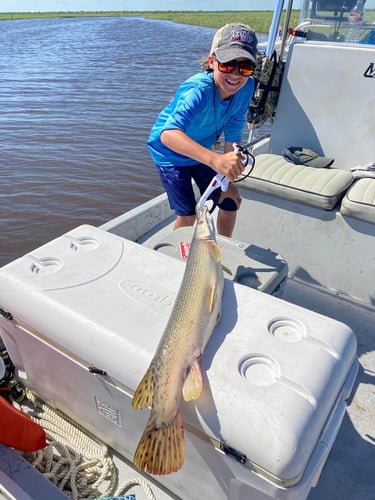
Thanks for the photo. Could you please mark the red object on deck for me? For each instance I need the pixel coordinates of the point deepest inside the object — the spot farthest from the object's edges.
(18, 430)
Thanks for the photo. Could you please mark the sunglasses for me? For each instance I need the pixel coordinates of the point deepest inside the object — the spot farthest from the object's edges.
(245, 68)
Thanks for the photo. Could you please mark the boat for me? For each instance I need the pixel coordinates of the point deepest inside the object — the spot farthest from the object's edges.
(288, 407)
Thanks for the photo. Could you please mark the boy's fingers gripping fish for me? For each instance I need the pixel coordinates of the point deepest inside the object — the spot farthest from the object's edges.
(174, 370)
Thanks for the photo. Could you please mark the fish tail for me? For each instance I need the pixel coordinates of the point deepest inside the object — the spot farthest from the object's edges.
(161, 450)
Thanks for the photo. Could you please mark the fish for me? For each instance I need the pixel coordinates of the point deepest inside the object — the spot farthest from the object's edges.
(174, 371)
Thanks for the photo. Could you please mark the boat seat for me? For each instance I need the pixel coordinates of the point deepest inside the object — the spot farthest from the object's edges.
(359, 201)
(317, 187)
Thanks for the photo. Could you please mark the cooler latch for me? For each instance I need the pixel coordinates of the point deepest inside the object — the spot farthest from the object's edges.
(228, 450)
(6, 314)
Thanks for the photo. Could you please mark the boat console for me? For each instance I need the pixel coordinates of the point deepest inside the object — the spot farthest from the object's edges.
(329, 20)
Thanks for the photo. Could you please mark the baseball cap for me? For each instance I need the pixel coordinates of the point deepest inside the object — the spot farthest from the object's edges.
(235, 40)
(308, 157)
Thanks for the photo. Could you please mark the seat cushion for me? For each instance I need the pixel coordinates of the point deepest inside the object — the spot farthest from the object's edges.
(318, 187)
(359, 201)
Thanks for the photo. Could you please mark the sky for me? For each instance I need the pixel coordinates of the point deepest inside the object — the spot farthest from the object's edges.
(137, 5)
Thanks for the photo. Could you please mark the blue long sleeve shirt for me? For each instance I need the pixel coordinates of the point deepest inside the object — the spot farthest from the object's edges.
(197, 110)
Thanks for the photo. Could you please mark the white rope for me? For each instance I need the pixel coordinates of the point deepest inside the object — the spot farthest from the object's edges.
(136, 482)
(75, 460)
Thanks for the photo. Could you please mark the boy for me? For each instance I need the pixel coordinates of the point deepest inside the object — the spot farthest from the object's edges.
(207, 105)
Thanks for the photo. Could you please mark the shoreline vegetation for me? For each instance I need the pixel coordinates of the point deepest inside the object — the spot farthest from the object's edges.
(259, 20)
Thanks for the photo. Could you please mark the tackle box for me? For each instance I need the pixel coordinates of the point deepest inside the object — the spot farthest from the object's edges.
(81, 318)
(244, 263)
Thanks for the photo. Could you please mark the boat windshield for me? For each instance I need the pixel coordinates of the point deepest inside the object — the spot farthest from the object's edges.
(329, 20)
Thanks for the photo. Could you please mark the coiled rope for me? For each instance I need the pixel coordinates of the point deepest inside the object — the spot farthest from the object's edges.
(76, 461)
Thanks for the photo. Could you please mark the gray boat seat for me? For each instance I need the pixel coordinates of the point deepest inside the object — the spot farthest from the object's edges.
(359, 201)
(317, 187)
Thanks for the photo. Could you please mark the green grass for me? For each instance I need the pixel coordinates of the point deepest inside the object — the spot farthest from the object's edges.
(258, 20)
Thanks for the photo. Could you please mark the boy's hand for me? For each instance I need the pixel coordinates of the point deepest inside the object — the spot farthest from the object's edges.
(228, 164)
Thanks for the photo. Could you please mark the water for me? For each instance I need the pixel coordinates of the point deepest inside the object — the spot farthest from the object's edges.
(77, 99)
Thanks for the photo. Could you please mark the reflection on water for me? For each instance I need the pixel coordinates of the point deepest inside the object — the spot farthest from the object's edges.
(77, 98)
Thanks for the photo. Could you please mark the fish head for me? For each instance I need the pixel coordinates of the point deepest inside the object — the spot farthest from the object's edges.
(205, 228)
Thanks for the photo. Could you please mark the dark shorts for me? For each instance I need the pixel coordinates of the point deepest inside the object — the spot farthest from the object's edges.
(177, 182)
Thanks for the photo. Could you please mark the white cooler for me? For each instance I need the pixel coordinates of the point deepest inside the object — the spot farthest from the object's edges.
(81, 318)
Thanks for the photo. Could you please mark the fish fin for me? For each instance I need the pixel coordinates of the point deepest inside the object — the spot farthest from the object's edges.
(161, 450)
(193, 384)
(144, 394)
(211, 297)
(227, 270)
(215, 249)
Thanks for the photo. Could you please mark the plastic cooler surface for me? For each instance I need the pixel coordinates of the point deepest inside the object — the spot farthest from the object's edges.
(272, 371)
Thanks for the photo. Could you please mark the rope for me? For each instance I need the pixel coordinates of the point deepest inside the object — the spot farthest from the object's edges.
(76, 461)
(136, 482)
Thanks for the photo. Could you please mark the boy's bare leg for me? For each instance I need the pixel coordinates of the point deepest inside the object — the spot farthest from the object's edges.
(225, 222)
(183, 221)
